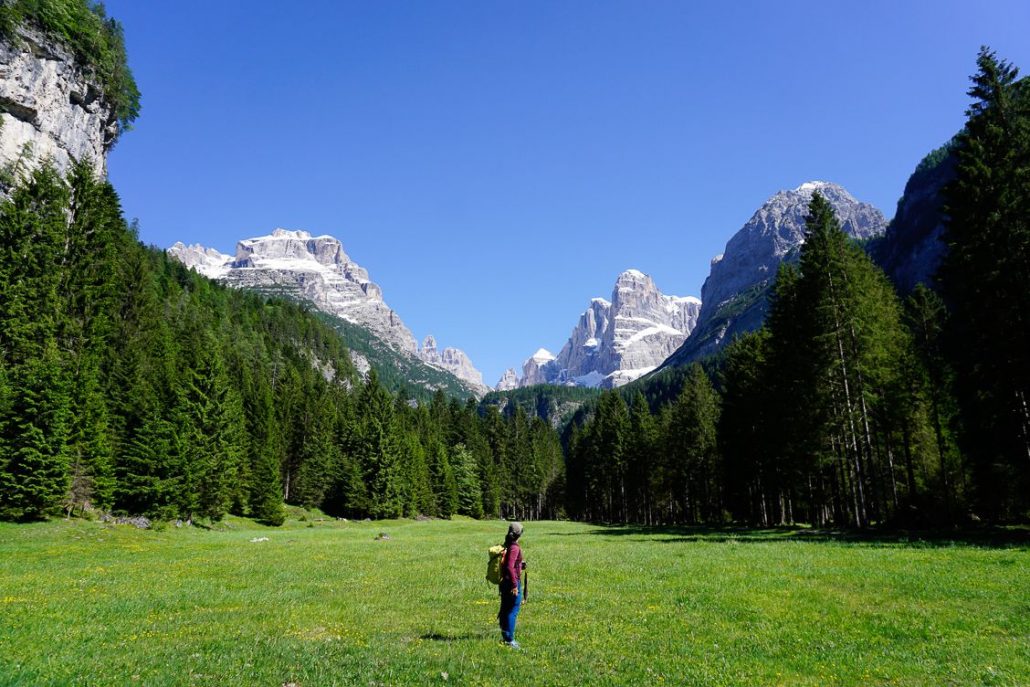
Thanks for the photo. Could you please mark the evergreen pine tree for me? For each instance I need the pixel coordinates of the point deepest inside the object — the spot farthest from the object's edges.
(444, 484)
(34, 480)
(984, 277)
(90, 449)
(470, 496)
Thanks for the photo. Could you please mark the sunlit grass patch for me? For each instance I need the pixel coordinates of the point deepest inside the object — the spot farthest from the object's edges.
(323, 602)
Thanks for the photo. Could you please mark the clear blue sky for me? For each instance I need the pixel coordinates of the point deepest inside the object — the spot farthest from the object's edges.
(495, 165)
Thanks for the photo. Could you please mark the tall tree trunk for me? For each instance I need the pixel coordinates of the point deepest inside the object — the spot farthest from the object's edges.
(910, 475)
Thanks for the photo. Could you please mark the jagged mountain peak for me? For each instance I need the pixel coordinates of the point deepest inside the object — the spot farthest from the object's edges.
(509, 380)
(619, 340)
(318, 270)
(630, 275)
(812, 186)
(733, 297)
(754, 253)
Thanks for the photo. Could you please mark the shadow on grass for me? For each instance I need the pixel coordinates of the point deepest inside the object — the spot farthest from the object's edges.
(986, 537)
(440, 637)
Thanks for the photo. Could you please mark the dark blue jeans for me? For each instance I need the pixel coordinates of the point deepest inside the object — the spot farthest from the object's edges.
(510, 604)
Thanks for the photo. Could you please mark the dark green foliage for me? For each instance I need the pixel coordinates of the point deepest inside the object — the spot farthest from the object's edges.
(90, 451)
(985, 277)
(626, 464)
(95, 38)
(34, 477)
(209, 434)
(129, 383)
(470, 501)
(399, 373)
(912, 248)
(554, 404)
(934, 465)
(691, 451)
(834, 412)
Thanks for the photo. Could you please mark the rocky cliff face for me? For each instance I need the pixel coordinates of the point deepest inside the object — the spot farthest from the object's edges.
(734, 294)
(454, 360)
(539, 368)
(316, 269)
(509, 380)
(49, 106)
(619, 340)
(755, 252)
(913, 247)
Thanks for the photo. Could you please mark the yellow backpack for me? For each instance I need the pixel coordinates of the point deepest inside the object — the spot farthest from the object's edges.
(493, 565)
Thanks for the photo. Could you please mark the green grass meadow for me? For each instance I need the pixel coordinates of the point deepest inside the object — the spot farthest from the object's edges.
(87, 603)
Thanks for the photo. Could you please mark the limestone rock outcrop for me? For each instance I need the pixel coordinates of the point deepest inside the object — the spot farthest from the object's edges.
(735, 293)
(755, 252)
(539, 368)
(317, 269)
(509, 380)
(50, 107)
(454, 360)
(617, 341)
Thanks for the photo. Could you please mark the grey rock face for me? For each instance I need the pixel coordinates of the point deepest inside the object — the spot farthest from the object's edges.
(618, 341)
(454, 360)
(755, 252)
(735, 293)
(581, 353)
(316, 269)
(539, 368)
(206, 261)
(914, 245)
(509, 380)
(49, 108)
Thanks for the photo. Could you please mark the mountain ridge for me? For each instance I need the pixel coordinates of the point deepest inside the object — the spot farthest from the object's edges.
(316, 269)
(734, 296)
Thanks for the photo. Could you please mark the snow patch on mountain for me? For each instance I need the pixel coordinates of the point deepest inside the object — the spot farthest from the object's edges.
(318, 270)
(619, 340)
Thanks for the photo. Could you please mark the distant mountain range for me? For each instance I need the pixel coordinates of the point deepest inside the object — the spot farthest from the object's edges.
(316, 269)
(617, 340)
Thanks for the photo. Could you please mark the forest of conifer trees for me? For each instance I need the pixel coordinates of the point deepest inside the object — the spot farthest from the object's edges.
(851, 406)
(130, 384)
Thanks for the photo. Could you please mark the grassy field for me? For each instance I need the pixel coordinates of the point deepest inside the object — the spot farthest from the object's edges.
(84, 603)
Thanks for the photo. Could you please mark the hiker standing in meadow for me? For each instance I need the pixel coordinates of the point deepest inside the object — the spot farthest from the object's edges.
(511, 586)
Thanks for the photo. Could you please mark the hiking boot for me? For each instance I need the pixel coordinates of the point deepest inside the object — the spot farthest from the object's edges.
(513, 644)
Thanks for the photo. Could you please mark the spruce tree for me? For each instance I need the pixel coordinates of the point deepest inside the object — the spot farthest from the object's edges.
(931, 383)
(984, 277)
(470, 496)
(34, 480)
(745, 427)
(90, 446)
(442, 479)
(210, 429)
(692, 447)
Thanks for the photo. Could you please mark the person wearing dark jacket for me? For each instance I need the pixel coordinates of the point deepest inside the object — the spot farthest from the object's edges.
(511, 584)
